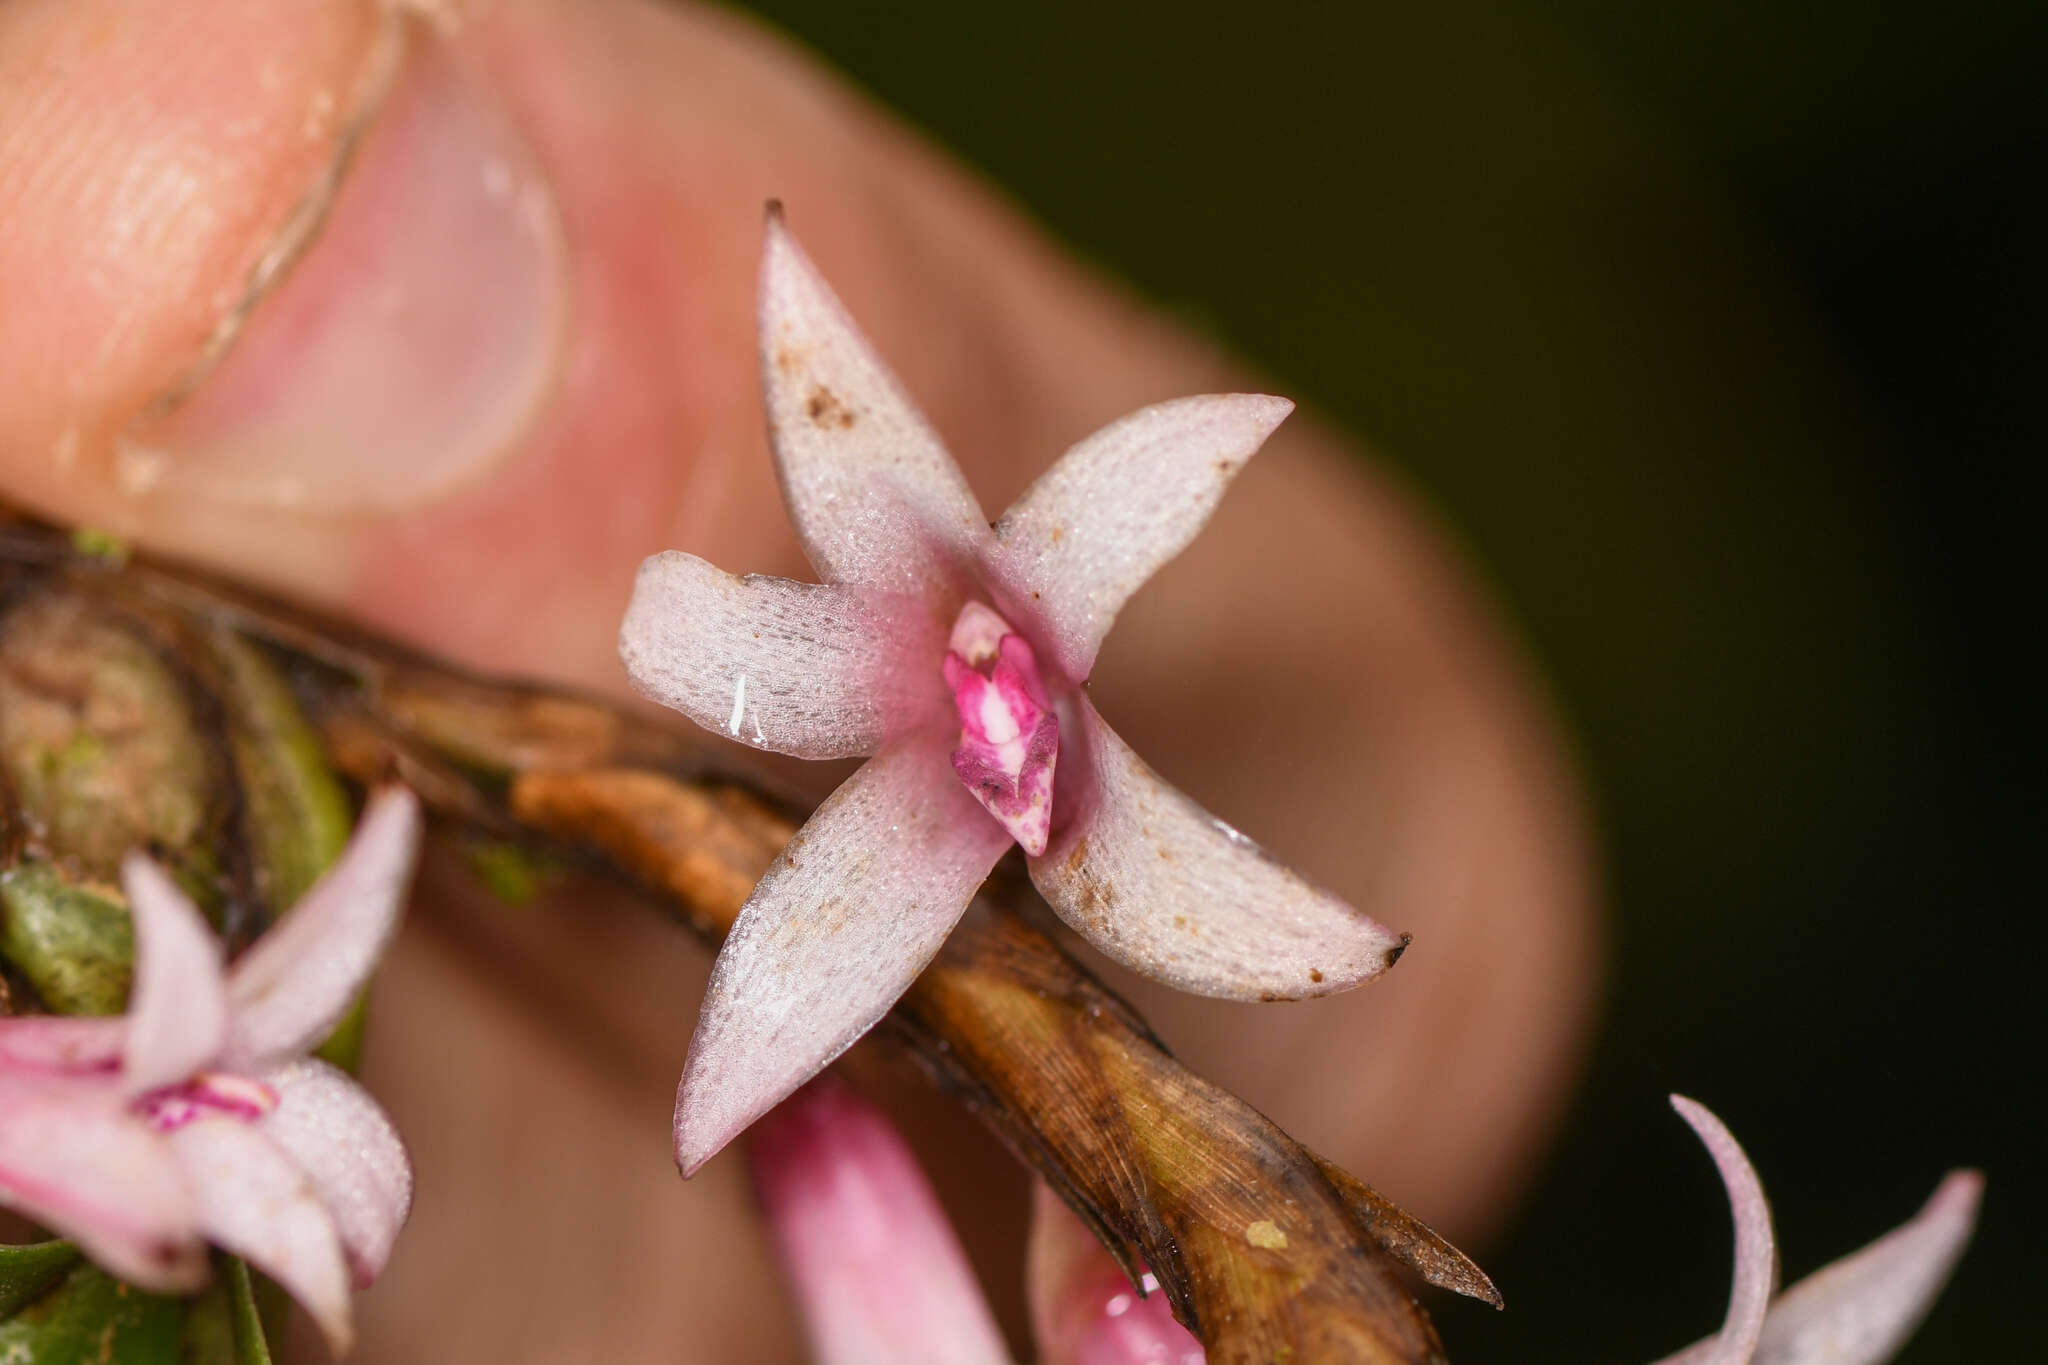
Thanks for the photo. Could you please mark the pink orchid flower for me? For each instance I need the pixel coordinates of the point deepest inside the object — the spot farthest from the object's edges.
(198, 1117)
(1857, 1311)
(953, 653)
(882, 1279)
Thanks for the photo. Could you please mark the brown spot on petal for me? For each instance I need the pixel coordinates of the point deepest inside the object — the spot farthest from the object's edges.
(1315, 973)
(1394, 953)
(824, 409)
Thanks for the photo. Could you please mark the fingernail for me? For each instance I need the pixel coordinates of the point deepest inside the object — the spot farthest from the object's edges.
(409, 345)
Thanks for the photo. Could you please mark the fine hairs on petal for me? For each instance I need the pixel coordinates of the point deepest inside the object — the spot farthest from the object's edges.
(178, 1007)
(874, 495)
(255, 1202)
(806, 669)
(291, 989)
(346, 1146)
(1159, 884)
(850, 912)
(1099, 523)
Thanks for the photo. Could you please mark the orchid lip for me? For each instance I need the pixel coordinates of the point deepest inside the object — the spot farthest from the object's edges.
(207, 1093)
(1009, 736)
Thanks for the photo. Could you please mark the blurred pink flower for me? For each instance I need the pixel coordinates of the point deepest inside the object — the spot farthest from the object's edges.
(198, 1117)
(882, 1279)
(954, 653)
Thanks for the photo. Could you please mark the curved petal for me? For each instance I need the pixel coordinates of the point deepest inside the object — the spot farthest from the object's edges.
(178, 1007)
(63, 1044)
(255, 1202)
(874, 495)
(1861, 1309)
(877, 1268)
(1756, 1247)
(289, 991)
(845, 919)
(1116, 508)
(345, 1144)
(1162, 886)
(817, 671)
(1083, 1308)
(74, 1159)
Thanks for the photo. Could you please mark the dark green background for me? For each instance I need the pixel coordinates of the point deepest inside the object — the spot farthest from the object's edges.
(1715, 332)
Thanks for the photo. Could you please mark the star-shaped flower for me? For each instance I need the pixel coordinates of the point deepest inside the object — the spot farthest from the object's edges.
(1857, 1311)
(198, 1117)
(954, 653)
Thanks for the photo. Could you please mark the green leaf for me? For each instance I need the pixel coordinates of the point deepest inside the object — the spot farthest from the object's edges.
(209, 1334)
(90, 1318)
(298, 815)
(26, 1271)
(510, 872)
(75, 946)
(252, 1345)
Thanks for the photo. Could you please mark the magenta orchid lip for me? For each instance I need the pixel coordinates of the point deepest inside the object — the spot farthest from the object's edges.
(951, 653)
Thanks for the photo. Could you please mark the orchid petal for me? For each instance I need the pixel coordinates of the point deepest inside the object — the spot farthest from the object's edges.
(874, 495)
(878, 1270)
(845, 919)
(290, 990)
(178, 1006)
(255, 1202)
(345, 1144)
(1159, 884)
(796, 668)
(1756, 1247)
(1116, 508)
(62, 1044)
(1084, 1310)
(1860, 1310)
(74, 1159)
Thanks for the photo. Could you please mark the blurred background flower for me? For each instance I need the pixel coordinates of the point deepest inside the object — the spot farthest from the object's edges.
(1713, 329)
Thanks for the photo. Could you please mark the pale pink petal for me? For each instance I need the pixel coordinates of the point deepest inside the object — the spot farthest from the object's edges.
(255, 1202)
(73, 1159)
(345, 1143)
(874, 495)
(797, 668)
(289, 991)
(1159, 884)
(62, 1044)
(846, 917)
(1756, 1248)
(1115, 508)
(1084, 1310)
(1861, 1309)
(878, 1270)
(178, 1006)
